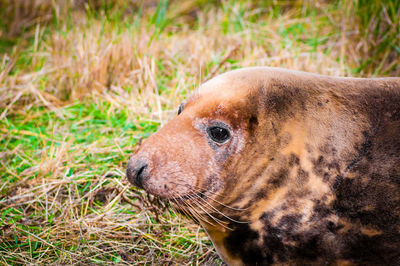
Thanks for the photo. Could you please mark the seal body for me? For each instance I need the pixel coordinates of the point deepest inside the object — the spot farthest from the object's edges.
(284, 167)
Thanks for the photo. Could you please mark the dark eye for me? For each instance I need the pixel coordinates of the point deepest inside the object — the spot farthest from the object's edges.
(218, 134)
(180, 109)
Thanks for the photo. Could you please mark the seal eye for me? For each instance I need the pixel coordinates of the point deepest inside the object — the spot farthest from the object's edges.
(180, 109)
(218, 134)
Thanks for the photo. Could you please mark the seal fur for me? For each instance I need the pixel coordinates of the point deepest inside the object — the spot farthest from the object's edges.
(309, 175)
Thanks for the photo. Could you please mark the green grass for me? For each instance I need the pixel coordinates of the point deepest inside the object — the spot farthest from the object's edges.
(81, 85)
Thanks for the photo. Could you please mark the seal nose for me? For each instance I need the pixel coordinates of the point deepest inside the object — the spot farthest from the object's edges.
(136, 171)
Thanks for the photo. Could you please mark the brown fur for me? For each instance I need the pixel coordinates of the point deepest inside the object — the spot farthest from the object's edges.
(311, 173)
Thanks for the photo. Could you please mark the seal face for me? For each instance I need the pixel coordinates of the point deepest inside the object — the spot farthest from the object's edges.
(284, 167)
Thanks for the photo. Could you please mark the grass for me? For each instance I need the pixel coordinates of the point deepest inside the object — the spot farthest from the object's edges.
(82, 83)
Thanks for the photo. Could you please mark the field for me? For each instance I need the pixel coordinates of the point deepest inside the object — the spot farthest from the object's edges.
(83, 82)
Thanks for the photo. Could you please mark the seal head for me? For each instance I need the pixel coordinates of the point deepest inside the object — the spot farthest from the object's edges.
(283, 166)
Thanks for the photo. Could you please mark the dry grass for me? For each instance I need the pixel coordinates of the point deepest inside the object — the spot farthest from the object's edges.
(82, 82)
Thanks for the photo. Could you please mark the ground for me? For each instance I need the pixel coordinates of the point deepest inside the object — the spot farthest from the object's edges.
(82, 83)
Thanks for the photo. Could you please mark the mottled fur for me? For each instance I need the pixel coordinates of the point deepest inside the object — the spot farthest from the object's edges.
(311, 174)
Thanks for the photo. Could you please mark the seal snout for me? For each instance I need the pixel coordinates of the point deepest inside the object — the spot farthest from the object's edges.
(136, 171)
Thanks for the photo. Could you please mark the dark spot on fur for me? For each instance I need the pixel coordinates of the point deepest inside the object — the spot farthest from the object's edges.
(328, 149)
(294, 194)
(289, 222)
(293, 160)
(375, 250)
(279, 178)
(243, 241)
(259, 195)
(302, 176)
(273, 240)
(370, 203)
(319, 165)
(310, 248)
(326, 165)
(283, 243)
(266, 216)
(284, 140)
(331, 226)
(337, 182)
(321, 210)
(277, 102)
(364, 151)
(253, 122)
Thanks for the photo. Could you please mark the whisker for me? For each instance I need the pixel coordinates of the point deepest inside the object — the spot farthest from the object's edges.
(196, 195)
(194, 212)
(218, 211)
(210, 192)
(220, 222)
(186, 212)
(229, 207)
(187, 209)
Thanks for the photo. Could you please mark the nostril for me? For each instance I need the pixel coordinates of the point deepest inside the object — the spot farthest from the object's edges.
(139, 177)
(136, 171)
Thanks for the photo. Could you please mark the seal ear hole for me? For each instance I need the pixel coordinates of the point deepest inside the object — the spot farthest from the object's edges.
(218, 134)
(180, 109)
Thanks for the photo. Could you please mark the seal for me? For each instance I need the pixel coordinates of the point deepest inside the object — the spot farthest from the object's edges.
(284, 167)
